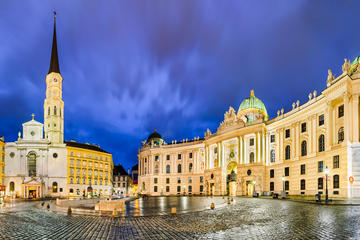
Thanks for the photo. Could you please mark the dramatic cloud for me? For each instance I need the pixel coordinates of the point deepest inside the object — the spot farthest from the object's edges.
(132, 66)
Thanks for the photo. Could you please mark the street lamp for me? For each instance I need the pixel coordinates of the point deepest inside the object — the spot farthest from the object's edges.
(184, 190)
(283, 191)
(326, 184)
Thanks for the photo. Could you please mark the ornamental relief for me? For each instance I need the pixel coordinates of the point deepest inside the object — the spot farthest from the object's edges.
(231, 120)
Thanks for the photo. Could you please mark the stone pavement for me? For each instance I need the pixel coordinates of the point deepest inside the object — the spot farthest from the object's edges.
(246, 218)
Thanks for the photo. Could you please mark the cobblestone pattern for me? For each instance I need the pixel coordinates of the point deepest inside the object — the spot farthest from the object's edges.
(245, 219)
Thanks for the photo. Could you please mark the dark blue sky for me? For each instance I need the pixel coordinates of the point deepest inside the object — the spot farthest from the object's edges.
(132, 66)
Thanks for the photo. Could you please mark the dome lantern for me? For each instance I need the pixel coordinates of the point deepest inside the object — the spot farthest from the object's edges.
(252, 108)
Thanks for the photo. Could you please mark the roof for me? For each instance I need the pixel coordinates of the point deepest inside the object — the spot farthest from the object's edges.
(356, 60)
(135, 168)
(54, 60)
(252, 102)
(154, 135)
(119, 170)
(84, 146)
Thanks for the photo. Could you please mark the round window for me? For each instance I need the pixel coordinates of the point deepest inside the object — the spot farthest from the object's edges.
(249, 172)
(12, 154)
(32, 133)
(212, 176)
(55, 155)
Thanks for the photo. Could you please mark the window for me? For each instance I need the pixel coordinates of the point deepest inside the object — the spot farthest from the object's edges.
(155, 189)
(179, 180)
(190, 180)
(287, 171)
(77, 180)
(156, 169)
(155, 180)
(302, 184)
(215, 150)
(303, 148)
(54, 110)
(179, 156)
(321, 143)
(336, 183)
(341, 135)
(54, 187)
(287, 185)
(303, 127)
(190, 167)
(321, 120)
(271, 173)
(201, 179)
(272, 157)
(251, 142)
(287, 152)
(167, 180)
(336, 161)
(201, 188)
(271, 186)
(320, 166)
(167, 168)
(190, 155)
(252, 157)
(167, 157)
(48, 110)
(71, 180)
(167, 188)
(341, 111)
(302, 169)
(12, 186)
(272, 138)
(71, 190)
(156, 158)
(179, 168)
(287, 133)
(190, 189)
(32, 164)
(178, 189)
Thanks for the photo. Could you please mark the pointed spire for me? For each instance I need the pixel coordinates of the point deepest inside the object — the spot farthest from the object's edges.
(54, 61)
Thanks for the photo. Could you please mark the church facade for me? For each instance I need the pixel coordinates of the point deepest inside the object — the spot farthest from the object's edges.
(297, 152)
(41, 164)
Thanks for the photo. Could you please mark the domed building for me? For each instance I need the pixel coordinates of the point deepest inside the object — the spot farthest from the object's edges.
(250, 154)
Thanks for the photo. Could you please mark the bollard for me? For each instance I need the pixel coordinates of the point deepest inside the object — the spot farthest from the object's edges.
(69, 211)
(228, 201)
(48, 206)
(173, 210)
(212, 205)
(115, 213)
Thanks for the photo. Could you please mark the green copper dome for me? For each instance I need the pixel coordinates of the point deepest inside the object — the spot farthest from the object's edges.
(356, 61)
(253, 103)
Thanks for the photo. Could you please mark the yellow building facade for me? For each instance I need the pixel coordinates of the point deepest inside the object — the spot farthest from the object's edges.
(2, 162)
(250, 154)
(89, 170)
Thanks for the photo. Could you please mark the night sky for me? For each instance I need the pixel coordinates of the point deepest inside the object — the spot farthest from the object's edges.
(132, 66)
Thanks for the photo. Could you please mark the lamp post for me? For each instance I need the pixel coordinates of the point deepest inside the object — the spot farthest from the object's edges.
(326, 184)
(184, 190)
(283, 191)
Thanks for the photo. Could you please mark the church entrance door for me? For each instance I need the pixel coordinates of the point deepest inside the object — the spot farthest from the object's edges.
(32, 193)
(231, 179)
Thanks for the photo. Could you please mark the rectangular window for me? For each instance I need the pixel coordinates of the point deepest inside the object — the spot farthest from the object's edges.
(167, 180)
(155, 180)
(156, 158)
(336, 183)
(179, 180)
(189, 180)
(303, 127)
(271, 173)
(167, 157)
(167, 188)
(155, 188)
(287, 133)
(190, 189)
(178, 189)
(201, 179)
(286, 171)
(190, 155)
(321, 120)
(320, 166)
(251, 142)
(272, 138)
(179, 156)
(341, 111)
(287, 185)
(271, 186)
(302, 169)
(302, 184)
(336, 161)
(201, 188)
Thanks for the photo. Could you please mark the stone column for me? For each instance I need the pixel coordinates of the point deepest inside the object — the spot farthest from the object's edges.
(263, 148)
(347, 126)
(355, 118)
(293, 140)
(258, 139)
(328, 119)
(313, 137)
(297, 153)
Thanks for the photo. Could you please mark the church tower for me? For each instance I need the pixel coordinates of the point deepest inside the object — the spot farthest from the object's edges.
(53, 104)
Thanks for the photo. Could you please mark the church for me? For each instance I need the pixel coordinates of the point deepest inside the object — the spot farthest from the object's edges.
(41, 164)
(311, 149)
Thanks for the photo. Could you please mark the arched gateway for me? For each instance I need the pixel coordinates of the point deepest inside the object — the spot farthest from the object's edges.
(231, 182)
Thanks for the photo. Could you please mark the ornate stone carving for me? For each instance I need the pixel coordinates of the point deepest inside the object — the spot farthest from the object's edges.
(207, 133)
(231, 120)
(346, 66)
(330, 78)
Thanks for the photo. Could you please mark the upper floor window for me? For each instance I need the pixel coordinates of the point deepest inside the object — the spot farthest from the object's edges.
(167, 168)
(251, 142)
(341, 135)
(179, 168)
(156, 158)
(156, 169)
(321, 143)
(321, 120)
(303, 148)
(271, 173)
(48, 110)
(287, 152)
(167, 157)
(303, 127)
(287, 171)
(302, 169)
(54, 110)
(272, 138)
(272, 155)
(287, 133)
(320, 166)
(341, 111)
(190, 155)
(179, 156)
(252, 157)
(336, 161)
(190, 167)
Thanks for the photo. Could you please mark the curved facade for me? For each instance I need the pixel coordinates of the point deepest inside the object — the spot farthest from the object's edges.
(250, 154)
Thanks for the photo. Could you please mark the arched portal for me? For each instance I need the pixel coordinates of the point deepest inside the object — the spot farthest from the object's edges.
(231, 185)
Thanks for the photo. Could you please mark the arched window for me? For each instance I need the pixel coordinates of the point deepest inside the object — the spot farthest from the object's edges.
(49, 111)
(54, 187)
(303, 148)
(190, 167)
(31, 158)
(156, 169)
(321, 143)
(167, 168)
(272, 155)
(336, 183)
(12, 186)
(320, 183)
(341, 135)
(252, 157)
(179, 168)
(54, 110)
(287, 152)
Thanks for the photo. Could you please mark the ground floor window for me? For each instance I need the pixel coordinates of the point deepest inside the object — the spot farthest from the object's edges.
(201, 188)
(271, 186)
(178, 189)
(302, 184)
(71, 190)
(287, 185)
(12, 186)
(155, 189)
(55, 187)
(336, 181)
(167, 188)
(320, 183)
(190, 189)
